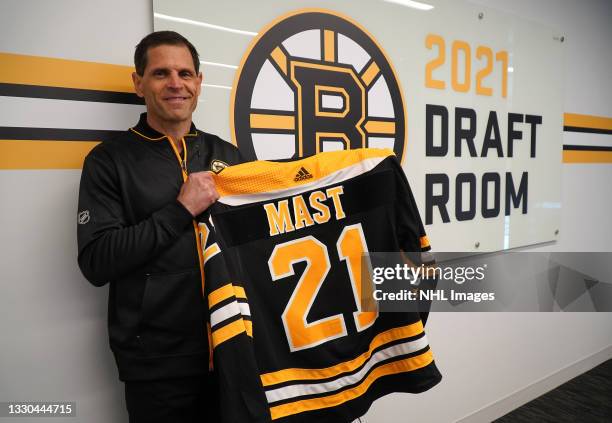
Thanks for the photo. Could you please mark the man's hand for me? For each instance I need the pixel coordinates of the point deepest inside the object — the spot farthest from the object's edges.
(198, 192)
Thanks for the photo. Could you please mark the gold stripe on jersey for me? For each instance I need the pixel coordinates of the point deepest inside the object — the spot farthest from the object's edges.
(239, 292)
(301, 390)
(211, 251)
(219, 315)
(395, 367)
(277, 176)
(228, 331)
(220, 294)
(248, 325)
(294, 375)
(425, 242)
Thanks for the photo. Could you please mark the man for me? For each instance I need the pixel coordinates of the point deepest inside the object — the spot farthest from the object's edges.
(139, 196)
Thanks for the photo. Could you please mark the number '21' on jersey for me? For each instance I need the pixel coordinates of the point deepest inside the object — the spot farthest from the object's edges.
(291, 341)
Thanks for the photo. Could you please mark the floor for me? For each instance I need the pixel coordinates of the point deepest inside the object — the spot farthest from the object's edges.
(586, 398)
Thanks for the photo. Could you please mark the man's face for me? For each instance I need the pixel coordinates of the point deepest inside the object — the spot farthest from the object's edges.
(169, 85)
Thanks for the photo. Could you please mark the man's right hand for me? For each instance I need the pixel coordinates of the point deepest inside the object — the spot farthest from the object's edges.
(198, 192)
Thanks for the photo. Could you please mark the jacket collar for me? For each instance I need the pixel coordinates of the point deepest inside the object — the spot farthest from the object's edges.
(143, 129)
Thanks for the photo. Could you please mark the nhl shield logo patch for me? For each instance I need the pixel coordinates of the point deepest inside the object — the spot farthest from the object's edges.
(83, 217)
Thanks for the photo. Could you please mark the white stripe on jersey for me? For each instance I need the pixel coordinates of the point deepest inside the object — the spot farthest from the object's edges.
(244, 308)
(294, 391)
(226, 312)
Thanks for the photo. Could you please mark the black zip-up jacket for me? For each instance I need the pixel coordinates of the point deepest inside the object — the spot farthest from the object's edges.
(135, 235)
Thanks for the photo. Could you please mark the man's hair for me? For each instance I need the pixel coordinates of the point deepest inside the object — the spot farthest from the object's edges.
(159, 38)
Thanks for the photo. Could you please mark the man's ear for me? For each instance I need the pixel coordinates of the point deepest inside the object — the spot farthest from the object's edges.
(137, 80)
(200, 79)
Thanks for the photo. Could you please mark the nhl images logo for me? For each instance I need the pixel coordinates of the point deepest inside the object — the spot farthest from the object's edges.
(315, 81)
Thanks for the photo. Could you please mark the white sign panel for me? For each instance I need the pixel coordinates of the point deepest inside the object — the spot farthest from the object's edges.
(469, 99)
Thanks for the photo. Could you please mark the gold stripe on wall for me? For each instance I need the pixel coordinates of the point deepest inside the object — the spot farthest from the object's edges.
(582, 156)
(33, 154)
(380, 127)
(52, 72)
(263, 121)
(329, 46)
(587, 121)
(280, 59)
(576, 120)
(370, 73)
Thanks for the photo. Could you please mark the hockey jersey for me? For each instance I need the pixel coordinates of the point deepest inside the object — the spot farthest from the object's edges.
(292, 340)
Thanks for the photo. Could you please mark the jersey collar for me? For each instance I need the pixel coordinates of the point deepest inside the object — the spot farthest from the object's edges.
(143, 130)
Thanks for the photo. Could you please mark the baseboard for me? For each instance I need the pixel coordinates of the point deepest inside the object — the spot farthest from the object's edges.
(522, 396)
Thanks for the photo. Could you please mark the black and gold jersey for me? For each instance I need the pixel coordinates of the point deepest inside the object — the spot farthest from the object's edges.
(291, 339)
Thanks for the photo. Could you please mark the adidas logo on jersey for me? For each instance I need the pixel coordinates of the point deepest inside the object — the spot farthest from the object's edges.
(302, 175)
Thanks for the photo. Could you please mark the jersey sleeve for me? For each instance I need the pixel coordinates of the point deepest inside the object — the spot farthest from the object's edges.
(410, 230)
(241, 394)
(411, 234)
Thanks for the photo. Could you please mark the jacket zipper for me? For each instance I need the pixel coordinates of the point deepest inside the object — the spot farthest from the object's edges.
(184, 172)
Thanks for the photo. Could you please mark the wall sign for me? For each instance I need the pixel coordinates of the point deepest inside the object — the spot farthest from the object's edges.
(469, 98)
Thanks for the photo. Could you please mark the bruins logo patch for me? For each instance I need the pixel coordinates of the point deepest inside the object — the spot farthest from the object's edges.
(217, 166)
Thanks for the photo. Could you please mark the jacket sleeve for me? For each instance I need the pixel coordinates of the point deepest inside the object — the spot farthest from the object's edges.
(109, 247)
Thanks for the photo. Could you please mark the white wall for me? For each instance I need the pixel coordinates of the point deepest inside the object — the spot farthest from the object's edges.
(54, 327)
(494, 362)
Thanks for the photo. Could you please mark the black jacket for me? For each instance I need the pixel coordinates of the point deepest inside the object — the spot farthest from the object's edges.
(135, 235)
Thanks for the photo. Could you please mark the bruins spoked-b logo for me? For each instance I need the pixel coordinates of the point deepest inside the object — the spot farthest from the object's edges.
(315, 81)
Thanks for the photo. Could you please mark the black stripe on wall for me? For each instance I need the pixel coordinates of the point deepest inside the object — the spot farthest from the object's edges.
(24, 133)
(75, 94)
(587, 148)
(587, 130)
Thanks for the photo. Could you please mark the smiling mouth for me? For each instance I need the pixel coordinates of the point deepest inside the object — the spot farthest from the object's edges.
(175, 99)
